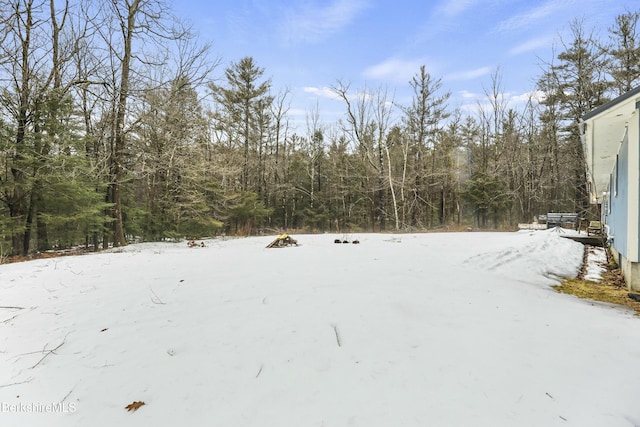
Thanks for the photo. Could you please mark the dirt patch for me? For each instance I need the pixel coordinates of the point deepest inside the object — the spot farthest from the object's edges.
(612, 289)
(47, 254)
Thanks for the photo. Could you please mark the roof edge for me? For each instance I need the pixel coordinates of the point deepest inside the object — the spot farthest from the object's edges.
(611, 103)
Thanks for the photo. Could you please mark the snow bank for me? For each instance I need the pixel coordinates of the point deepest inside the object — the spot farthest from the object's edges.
(541, 257)
(407, 330)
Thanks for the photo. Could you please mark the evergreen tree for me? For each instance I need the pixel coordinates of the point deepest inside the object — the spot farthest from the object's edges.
(577, 84)
(488, 196)
(172, 138)
(423, 122)
(242, 102)
(624, 52)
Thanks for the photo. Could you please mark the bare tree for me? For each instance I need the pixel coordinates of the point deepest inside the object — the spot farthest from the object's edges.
(138, 35)
(315, 150)
(368, 120)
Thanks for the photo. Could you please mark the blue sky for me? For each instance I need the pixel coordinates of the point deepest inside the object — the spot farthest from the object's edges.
(307, 46)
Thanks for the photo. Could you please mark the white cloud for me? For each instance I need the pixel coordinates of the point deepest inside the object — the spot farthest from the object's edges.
(469, 75)
(322, 92)
(455, 7)
(473, 102)
(313, 23)
(536, 96)
(533, 16)
(531, 45)
(468, 95)
(397, 70)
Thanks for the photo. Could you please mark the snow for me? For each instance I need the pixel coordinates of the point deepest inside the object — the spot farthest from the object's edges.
(442, 329)
(596, 262)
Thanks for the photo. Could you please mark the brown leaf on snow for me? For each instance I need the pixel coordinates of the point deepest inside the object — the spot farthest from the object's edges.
(133, 406)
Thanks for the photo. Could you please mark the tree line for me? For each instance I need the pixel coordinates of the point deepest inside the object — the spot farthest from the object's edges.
(113, 129)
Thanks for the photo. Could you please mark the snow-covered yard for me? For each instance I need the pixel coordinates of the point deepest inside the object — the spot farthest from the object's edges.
(457, 329)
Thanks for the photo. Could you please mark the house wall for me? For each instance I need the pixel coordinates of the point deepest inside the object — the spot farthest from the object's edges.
(626, 249)
(617, 217)
(633, 133)
(630, 270)
(631, 266)
(614, 176)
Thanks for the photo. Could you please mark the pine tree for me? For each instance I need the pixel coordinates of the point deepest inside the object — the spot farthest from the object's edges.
(423, 121)
(624, 52)
(242, 101)
(576, 84)
(173, 174)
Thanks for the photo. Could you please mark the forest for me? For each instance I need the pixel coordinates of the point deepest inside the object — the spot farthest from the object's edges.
(116, 127)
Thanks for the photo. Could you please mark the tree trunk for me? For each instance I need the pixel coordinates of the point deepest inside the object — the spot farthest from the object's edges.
(119, 139)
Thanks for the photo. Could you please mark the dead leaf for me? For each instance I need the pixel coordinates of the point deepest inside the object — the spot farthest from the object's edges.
(133, 406)
(105, 329)
(181, 280)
